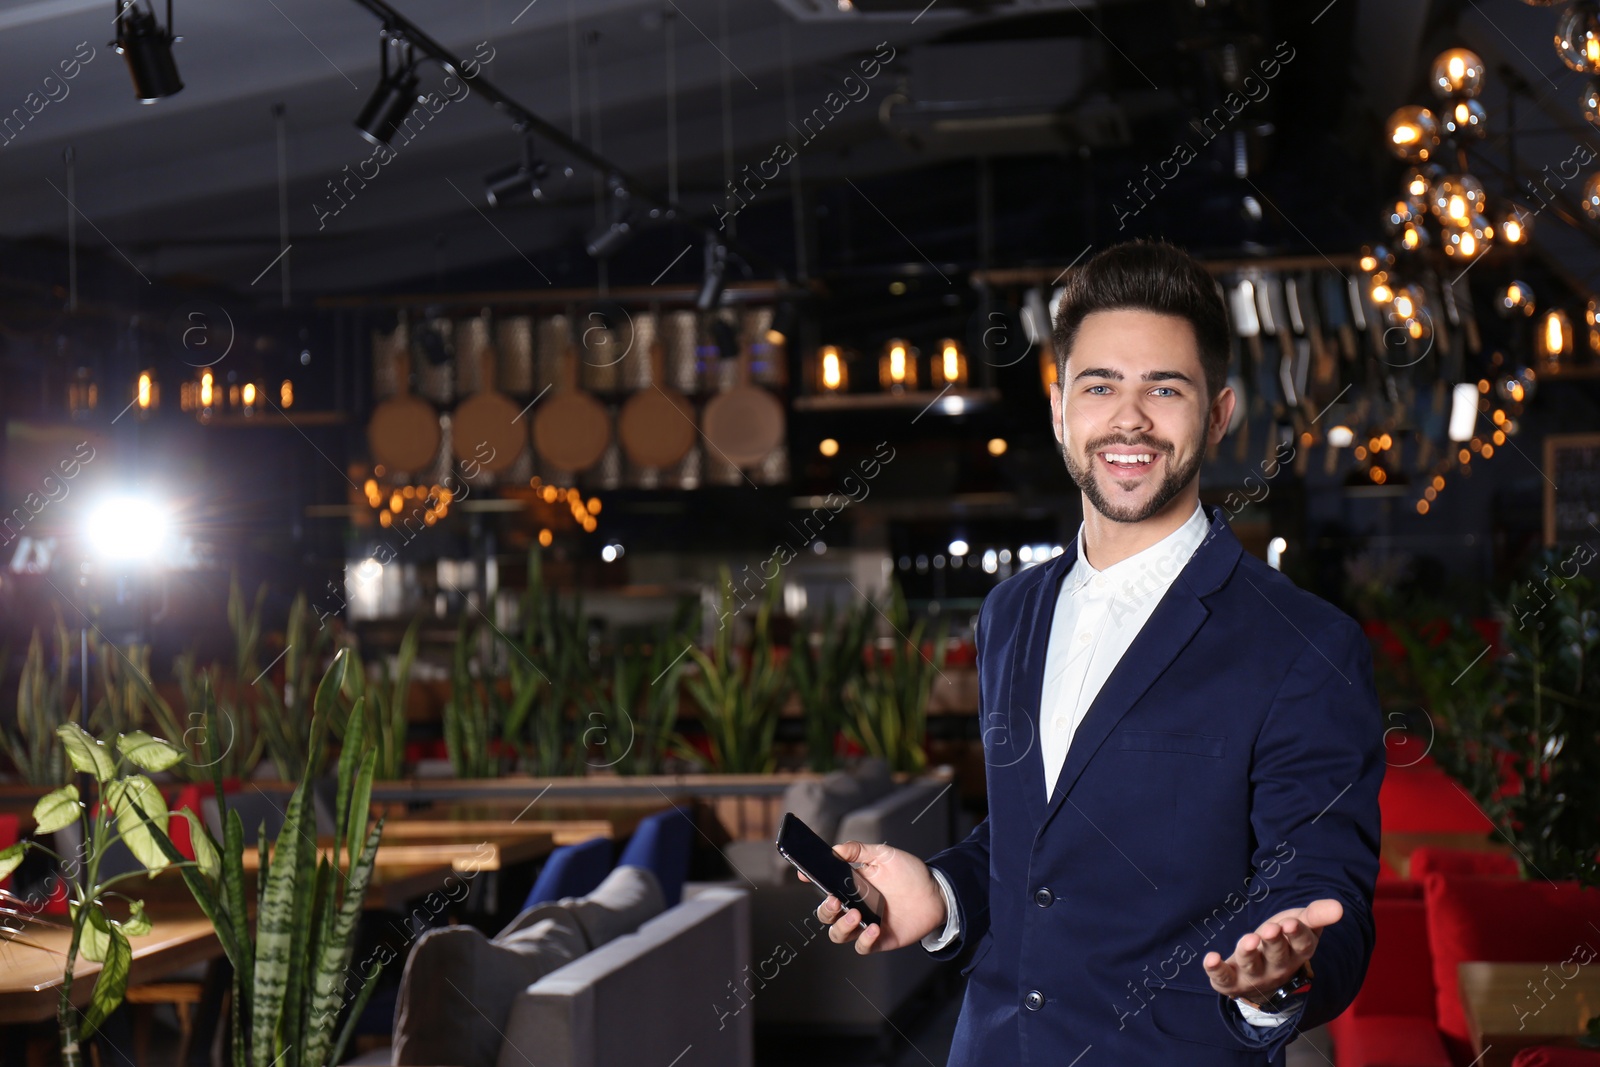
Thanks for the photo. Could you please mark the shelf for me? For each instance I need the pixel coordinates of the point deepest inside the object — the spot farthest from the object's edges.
(952, 402)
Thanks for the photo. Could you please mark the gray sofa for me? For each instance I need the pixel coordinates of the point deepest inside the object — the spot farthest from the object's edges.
(798, 978)
(606, 980)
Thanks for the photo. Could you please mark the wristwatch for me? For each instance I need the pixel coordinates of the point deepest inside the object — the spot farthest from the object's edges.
(1287, 995)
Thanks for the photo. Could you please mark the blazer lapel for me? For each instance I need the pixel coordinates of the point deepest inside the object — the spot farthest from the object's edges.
(1027, 675)
(1170, 627)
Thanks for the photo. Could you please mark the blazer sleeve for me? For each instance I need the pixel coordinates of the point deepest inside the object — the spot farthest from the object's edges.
(1318, 763)
(965, 864)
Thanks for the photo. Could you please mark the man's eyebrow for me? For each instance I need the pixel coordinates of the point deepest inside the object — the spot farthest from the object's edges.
(1148, 376)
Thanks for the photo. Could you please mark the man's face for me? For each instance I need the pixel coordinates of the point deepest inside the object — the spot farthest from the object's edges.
(1134, 387)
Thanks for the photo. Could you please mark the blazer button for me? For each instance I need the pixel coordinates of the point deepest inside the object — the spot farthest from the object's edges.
(1034, 1000)
(1043, 898)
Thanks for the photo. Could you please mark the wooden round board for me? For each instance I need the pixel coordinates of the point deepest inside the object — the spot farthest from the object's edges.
(744, 424)
(404, 433)
(571, 430)
(487, 418)
(656, 426)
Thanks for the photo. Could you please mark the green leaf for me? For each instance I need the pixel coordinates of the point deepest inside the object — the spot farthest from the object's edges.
(11, 858)
(86, 753)
(137, 924)
(95, 940)
(112, 984)
(56, 810)
(205, 849)
(139, 806)
(148, 752)
(275, 933)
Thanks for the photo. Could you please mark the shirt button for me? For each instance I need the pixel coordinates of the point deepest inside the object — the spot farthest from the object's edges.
(1060, 723)
(1099, 581)
(1044, 898)
(1085, 638)
(1034, 1000)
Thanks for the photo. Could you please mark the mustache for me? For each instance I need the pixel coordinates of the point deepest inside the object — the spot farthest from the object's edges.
(1154, 446)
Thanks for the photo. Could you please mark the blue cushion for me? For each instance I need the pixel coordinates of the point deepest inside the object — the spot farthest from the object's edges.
(572, 871)
(661, 844)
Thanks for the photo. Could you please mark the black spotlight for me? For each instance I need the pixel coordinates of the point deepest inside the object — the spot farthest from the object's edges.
(390, 101)
(604, 241)
(710, 294)
(148, 49)
(522, 179)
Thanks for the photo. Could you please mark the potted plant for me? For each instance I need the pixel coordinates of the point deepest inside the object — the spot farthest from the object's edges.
(823, 662)
(740, 692)
(1516, 725)
(888, 702)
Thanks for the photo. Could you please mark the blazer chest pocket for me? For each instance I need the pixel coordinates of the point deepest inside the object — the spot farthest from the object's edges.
(1160, 741)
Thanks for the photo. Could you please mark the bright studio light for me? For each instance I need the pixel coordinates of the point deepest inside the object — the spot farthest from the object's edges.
(127, 528)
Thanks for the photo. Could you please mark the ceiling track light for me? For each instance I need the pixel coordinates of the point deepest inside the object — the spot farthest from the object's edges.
(716, 270)
(606, 240)
(525, 178)
(394, 96)
(147, 47)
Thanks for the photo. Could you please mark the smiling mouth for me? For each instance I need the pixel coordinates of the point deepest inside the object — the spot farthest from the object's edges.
(1126, 462)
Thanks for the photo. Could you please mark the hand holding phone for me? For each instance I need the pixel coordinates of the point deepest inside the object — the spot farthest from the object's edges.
(815, 858)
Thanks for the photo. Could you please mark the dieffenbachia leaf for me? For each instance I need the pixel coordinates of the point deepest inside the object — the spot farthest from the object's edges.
(87, 754)
(11, 858)
(205, 849)
(137, 924)
(129, 797)
(95, 941)
(56, 810)
(148, 753)
(112, 984)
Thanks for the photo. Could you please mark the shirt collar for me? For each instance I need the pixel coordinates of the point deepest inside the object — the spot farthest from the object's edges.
(1147, 570)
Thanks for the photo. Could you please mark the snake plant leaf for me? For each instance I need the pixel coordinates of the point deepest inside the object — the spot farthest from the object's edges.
(112, 984)
(139, 807)
(334, 963)
(11, 858)
(95, 939)
(87, 753)
(137, 924)
(360, 802)
(148, 753)
(275, 935)
(56, 810)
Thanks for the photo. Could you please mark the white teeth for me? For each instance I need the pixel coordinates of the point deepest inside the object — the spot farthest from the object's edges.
(1144, 457)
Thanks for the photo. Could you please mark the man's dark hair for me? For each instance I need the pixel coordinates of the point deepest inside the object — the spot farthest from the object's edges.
(1147, 276)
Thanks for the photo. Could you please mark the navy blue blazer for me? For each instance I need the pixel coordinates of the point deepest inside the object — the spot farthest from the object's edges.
(1228, 769)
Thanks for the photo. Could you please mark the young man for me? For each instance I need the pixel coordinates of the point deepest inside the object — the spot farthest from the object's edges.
(1183, 749)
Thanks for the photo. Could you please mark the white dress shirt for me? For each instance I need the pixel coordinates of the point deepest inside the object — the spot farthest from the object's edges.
(1098, 614)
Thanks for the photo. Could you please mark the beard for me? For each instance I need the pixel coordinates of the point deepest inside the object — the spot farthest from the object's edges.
(1083, 476)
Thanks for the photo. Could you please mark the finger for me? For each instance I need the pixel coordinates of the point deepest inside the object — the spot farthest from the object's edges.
(868, 938)
(1275, 948)
(1223, 974)
(802, 876)
(1320, 913)
(1248, 957)
(828, 911)
(847, 928)
(1302, 938)
(852, 851)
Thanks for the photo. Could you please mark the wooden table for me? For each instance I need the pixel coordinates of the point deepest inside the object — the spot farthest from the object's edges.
(566, 821)
(1396, 848)
(1504, 1015)
(462, 852)
(30, 978)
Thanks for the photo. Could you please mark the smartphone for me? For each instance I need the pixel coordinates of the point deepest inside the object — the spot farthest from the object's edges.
(814, 858)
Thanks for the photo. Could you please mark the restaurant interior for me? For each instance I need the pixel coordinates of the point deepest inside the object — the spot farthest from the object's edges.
(470, 469)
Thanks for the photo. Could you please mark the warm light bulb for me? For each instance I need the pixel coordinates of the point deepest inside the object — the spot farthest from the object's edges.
(205, 389)
(1413, 133)
(249, 394)
(897, 363)
(997, 446)
(831, 373)
(286, 394)
(145, 390)
(828, 447)
(952, 368)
